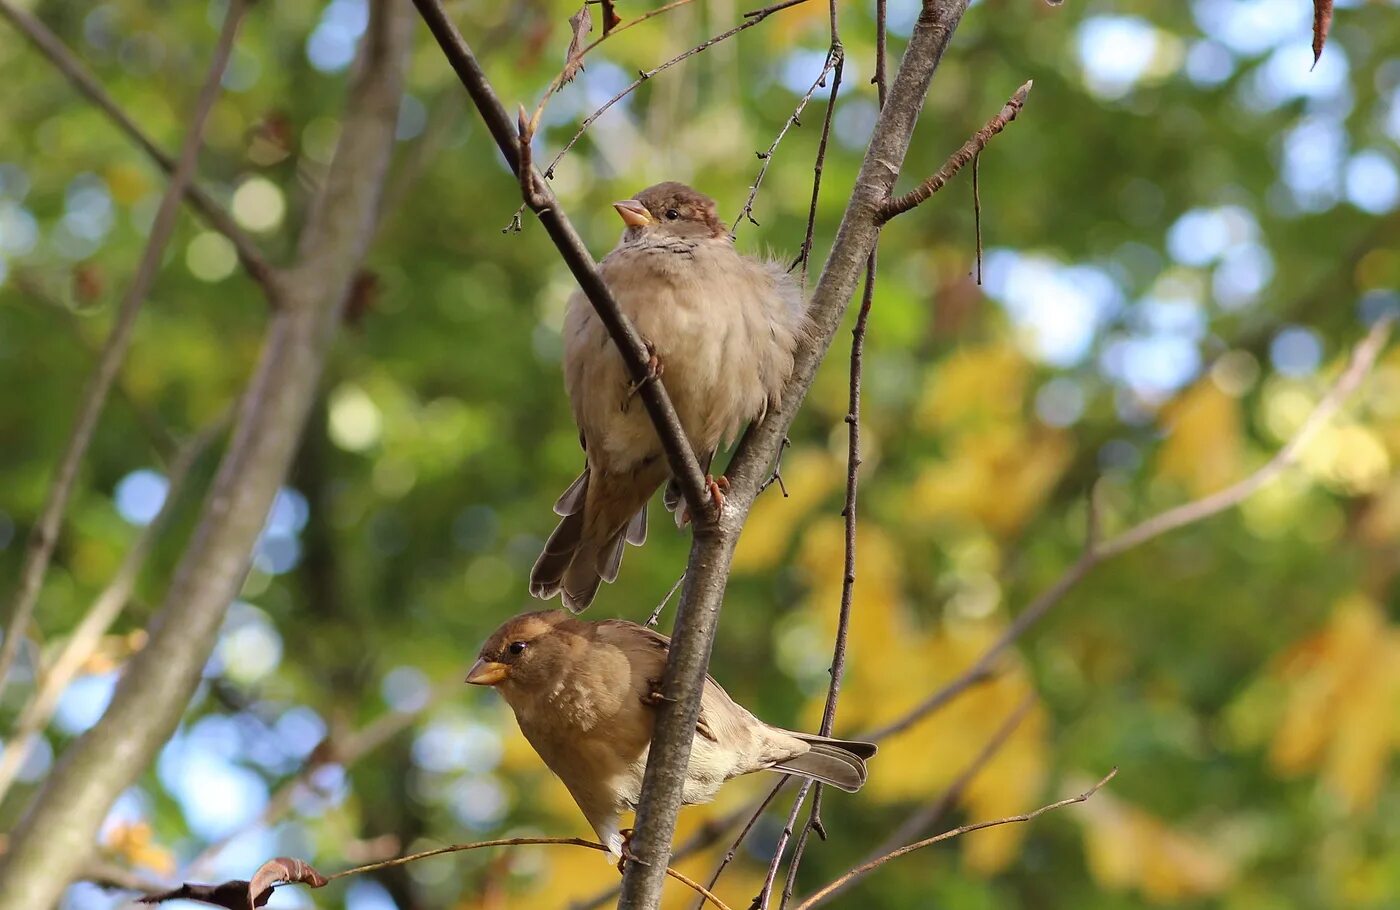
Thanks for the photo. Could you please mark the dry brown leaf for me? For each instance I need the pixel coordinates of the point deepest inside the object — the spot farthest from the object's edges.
(246, 895)
(612, 20)
(580, 24)
(1322, 23)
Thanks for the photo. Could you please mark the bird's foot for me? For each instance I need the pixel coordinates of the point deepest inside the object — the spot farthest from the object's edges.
(626, 850)
(654, 695)
(654, 370)
(717, 487)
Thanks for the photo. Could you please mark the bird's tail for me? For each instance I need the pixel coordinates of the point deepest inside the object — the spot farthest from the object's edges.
(586, 547)
(838, 762)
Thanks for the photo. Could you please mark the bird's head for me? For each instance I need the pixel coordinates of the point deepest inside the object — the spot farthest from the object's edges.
(670, 210)
(527, 651)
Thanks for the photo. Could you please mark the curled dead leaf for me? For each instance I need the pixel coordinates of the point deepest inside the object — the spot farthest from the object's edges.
(580, 24)
(1322, 23)
(238, 894)
(611, 19)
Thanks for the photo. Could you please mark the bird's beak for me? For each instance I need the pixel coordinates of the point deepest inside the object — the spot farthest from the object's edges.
(487, 673)
(633, 213)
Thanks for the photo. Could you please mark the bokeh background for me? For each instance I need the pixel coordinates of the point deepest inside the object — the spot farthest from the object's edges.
(1184, 233)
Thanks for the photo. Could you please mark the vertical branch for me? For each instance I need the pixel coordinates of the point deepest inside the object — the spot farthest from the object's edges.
(44, 536)
(848, 513)
(54, 839)
(712, 550)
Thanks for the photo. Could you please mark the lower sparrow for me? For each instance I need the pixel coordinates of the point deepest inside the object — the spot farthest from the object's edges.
(584, 695)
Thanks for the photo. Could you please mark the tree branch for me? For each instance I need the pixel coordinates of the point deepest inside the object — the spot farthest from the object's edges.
(834, 58)
(44, 536)
(868, 867)
(1363, 359)
(55, 838)
(679, 454)
(213, 214)
(86, 637)
(713, 547)
(969, 151)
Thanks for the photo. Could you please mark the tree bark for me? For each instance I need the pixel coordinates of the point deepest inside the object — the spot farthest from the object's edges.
(56, 837)
(708, 569)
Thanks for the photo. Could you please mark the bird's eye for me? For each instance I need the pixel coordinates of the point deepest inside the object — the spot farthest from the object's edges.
(672, 214)
(516, 647)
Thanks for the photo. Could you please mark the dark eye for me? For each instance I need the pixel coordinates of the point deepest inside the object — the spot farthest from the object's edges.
(672, 214)
(516, 647)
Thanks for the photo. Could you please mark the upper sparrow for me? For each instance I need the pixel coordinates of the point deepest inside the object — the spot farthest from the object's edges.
(583, 693)
(722, 325)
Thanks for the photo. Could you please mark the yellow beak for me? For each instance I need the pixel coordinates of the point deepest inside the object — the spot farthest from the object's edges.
(487, 673)
(633, 213)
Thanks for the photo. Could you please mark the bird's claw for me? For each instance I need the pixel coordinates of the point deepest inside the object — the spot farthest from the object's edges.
(654, 370)
(654, 695)
(717, 487)
(626, 850)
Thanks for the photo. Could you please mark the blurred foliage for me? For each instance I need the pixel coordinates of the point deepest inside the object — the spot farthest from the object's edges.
(1185, 232)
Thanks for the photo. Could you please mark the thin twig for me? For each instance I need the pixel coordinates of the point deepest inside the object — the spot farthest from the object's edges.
(520, 842)
(1363, 358)
(685, 467)
(970, 149)
(655, 616)
(44, 535)
(920, 821)
(834, 57)
(86, 637)
(750, 20)
(865, 868)
(765, 891)
(777, 475)
(563, 78)
(733, 850)
(848, 512)
(977, 211)
(804, 255)
(213, 214)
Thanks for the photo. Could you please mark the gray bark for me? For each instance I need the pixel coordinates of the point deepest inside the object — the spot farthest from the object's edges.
(57, 835)
(708, 569)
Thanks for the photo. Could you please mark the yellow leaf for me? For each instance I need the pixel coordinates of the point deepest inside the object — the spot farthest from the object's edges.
(134, 842)
(976, 385)
(1129, 848)
(810, 474)
(1205, 444)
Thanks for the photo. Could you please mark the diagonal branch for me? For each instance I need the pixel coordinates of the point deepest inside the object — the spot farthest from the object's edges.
(56, 836)
(868, 867)
(86, 637)
(44, 536)
(958, 159)
(679, 454)
(1363, 359)
(71, 67)
(711, 552)
(834, 59)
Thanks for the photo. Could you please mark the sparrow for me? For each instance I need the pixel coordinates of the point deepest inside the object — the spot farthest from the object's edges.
(723, 327)
(584, 695)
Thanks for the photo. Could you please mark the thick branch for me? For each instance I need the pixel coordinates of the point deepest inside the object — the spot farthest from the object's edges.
(53, 841)
(44, 536)
(679, 454)
(712, 550)
(958, 159)
(213, 214)
(868, 867)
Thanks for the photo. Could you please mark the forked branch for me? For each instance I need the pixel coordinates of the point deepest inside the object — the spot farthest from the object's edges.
(969, 151)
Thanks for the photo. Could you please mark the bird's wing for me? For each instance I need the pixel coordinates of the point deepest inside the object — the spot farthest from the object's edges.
(646, 650)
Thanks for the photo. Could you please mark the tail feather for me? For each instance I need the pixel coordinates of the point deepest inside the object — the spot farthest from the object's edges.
(586, 548)
(839, 763)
